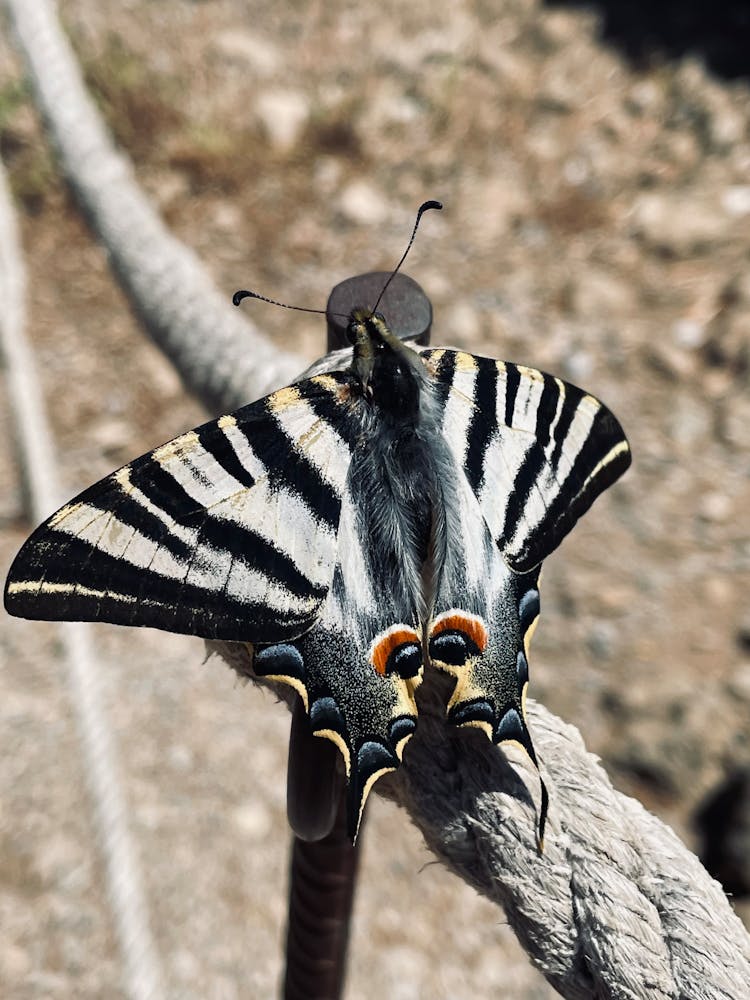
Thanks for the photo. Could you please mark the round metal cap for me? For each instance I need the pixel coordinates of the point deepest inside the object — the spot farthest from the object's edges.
(406, 308)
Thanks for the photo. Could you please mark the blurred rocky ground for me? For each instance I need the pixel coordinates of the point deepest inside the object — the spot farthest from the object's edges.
(595, 170)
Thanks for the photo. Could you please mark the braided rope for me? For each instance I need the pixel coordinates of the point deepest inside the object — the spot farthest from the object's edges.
(616, 907)
(142, 974)
(218, 352)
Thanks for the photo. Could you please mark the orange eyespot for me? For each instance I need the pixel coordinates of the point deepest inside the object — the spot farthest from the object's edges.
(471, 626)
(399, 650)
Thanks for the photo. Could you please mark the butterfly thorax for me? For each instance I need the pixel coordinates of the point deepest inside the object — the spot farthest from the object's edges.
(400, 476)
(390, 373)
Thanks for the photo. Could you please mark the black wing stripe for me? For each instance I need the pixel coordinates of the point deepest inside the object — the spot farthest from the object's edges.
(220, 449)
(133, 514)
(483, 422)
(164, 493)
(547, 409)
(573, 395)
(290, 470)
(523, 486)
(512, 382)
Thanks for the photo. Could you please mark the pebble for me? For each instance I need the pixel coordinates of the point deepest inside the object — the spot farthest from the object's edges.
(251, 49)
(677, 225)
(736, 200)
(253, 820)
(739, 682)
(715, 507)
(688, 333)
(363, 204)
(284, 114)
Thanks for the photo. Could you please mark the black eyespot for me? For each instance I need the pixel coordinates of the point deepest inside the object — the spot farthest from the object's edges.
(405, 660)
(453, 647)
(283, 659)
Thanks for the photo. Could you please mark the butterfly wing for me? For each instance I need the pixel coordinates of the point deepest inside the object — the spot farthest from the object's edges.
(227, 532)
(532, 454)
(246, 530)
(536, 451)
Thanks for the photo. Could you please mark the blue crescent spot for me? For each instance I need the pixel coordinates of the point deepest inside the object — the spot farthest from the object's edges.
(509, 727)
(472, 711)
(281, 659)
(325, 714)
(522, 667)
(400, 728)
(528, 607)
(374, 757)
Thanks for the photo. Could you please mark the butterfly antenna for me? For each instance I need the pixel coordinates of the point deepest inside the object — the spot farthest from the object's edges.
(243, 293)
(424, 207)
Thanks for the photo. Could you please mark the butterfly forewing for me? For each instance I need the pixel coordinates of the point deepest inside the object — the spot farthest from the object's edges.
(536, 451)
(229, 531)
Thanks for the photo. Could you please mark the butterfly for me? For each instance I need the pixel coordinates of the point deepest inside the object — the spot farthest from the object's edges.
(350, 530)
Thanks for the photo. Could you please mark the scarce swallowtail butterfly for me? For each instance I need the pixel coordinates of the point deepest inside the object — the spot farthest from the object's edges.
(351, 530)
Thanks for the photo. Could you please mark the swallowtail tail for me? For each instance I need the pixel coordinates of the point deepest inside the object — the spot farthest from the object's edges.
(351, 529)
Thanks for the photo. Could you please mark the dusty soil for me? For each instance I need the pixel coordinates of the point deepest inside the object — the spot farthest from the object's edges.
(597, 225)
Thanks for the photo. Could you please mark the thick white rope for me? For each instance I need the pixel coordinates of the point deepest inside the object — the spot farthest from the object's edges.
(219, 354)
(142, 970)
(616, 907)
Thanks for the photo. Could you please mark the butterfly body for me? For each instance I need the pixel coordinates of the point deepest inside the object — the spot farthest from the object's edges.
(351, 530)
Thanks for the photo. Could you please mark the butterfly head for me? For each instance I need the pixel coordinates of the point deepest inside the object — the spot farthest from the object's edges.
(388, 370)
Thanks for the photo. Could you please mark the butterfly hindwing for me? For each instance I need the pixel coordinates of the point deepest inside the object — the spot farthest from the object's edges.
(532, 453)
(228, 531)
(359, 665)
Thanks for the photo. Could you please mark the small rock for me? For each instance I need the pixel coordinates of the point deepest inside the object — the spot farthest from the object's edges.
(363, 204)
(578, 366)
(256, 52)
(601, 640)
(739, 683)
(688, 333)
(726, 127)
(677, 224)
(715, 507)
(598, 293)
(253, 820)
(736, 200)
(112, 435)
(284, 114)
(180, 758)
